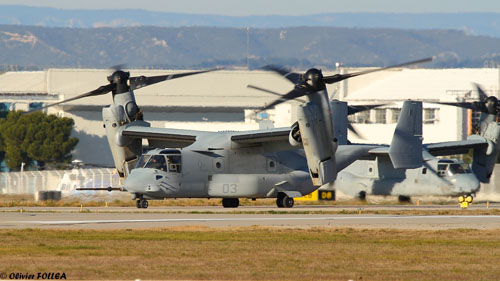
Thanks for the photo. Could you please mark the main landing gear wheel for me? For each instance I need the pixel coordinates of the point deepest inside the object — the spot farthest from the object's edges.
(404, 199)
(284, 201)
(279, 202)
(142, 204)
(288, 202)
(362, 196)
(230, 202)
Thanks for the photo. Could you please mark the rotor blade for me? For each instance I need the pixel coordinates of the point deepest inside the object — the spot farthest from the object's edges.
(269, 92)
(351, 128)
(339, 77)
(353, 109)
(482, 94)
(143, 81)
(289, 75)
(477, 106)
(97, 92)
(293, 94)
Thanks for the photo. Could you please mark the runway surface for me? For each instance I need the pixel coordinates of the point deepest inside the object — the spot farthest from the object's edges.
(264, 208)
(162, 217)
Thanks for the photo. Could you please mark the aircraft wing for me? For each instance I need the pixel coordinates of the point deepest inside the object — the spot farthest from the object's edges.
(261, 136)
(441, 148)
(456, 147)
(162, 137)
(347, 154)
(272, 139)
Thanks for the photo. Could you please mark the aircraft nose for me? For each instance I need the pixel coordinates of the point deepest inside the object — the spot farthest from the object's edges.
(466, 183)
(138, 181)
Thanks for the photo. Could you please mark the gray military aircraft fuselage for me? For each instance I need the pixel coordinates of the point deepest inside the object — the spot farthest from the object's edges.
(437, 177)
(252, 164)
(447, 177)
(246, 173)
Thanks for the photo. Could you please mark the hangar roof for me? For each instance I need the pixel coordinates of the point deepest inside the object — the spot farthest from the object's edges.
(227, 88)
(34, 82)
(426, 84)
(215, 89)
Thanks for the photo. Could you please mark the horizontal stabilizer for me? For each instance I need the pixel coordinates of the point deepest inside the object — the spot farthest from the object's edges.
(406, 146)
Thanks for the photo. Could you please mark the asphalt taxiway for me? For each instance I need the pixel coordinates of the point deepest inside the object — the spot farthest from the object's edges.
(164, 217)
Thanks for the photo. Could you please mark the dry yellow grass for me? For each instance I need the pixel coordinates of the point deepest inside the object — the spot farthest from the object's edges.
(123, 200)
(254, 254)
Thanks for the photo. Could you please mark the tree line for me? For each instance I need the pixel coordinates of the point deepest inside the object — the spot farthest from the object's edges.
(36, 139)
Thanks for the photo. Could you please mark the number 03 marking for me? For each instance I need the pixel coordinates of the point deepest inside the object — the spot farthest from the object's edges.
(229, 188)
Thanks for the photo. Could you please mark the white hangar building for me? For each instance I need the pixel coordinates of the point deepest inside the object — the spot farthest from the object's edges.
(221, 101)
(441, 122)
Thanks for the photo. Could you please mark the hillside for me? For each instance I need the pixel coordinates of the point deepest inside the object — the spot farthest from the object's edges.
(475, 23)
(199, 47)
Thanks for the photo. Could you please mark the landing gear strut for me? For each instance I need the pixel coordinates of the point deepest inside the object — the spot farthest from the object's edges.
(142, 203)
(284, 201)
(230, 202)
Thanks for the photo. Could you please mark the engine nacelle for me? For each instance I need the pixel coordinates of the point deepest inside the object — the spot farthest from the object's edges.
(485, 159)
(294, 138)
(125, 151)
(318, 146)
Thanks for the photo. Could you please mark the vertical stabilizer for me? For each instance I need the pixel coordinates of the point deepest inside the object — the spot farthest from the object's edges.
(406, 146)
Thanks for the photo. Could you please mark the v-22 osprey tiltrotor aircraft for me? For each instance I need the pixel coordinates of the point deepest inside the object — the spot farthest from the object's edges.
(281, 163)
(375, 174)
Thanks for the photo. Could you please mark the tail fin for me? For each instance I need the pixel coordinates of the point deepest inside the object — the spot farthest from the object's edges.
(406, 146)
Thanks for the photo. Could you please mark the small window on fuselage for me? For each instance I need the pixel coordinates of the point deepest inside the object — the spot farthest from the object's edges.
(174, 163)
(442, 169)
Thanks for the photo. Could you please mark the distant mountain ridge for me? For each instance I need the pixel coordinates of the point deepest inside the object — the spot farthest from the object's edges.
(34, 47)
(487, 24)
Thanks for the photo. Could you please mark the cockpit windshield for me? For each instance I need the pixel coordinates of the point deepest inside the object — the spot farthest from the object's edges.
(450, 169)
(167, 163)
(458, 169)
(142, 161)
(157, 162)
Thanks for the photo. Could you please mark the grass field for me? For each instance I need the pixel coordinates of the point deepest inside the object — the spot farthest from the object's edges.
(254, 253)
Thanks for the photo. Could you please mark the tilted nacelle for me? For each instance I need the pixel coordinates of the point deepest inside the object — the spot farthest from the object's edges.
(485, 159)
(125, 150)
(319, 147)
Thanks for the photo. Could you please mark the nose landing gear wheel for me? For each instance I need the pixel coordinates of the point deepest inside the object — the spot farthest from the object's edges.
(142, 204)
